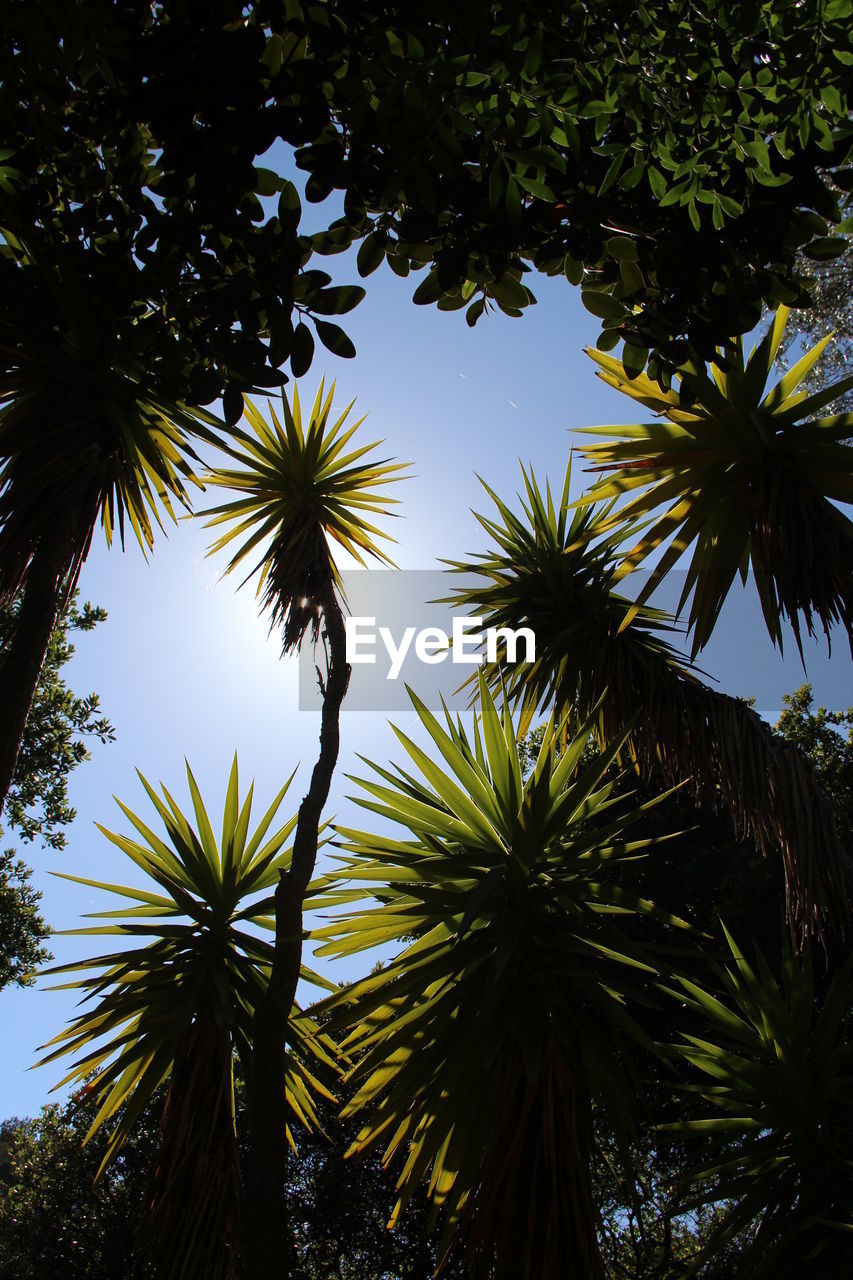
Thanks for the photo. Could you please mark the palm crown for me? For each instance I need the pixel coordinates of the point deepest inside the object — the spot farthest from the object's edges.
(555, 569)
(83, 435)
(774, 1066)
(299, 488)
(177, 1003)
(477, 1049)
(748, 476)
(83, 438)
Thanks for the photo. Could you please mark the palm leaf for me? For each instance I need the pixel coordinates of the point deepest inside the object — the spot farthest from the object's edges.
(82, 439)
(599, 652)
(479, 1047)
(175, 1003)
(298, 489)
(745, 477)
(775, 1066)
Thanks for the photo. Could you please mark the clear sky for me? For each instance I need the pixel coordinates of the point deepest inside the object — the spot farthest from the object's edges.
(184, 665)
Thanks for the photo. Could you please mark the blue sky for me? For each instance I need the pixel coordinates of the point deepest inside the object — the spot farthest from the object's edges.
(184, 665)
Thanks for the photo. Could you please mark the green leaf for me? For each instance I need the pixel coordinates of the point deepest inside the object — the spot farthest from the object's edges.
(334, 339)
(572, 270)
(602, 304)
(622, 248)
(267, 182)
(337, 300)
(657, 182)
(301, 350)
(429, 289)
(232, 404)
(474, 312)
(825, 247)
(510, 291)
(289, 207)
(371, 254)
(634, 359)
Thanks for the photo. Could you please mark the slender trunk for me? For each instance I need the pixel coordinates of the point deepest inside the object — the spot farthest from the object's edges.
(22, 659)
(269, 1247)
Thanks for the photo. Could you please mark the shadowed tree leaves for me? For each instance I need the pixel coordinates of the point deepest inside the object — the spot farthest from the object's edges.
(547, 568)
(37, 807)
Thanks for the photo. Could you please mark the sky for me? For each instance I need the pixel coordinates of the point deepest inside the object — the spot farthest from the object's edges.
(185, 667)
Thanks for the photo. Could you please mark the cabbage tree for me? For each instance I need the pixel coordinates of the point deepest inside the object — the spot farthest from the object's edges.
(301, 484)
(84, 439)
(175, 1002)
(743, 476)
(509, 1008)
(556, 567)
(771, 1061)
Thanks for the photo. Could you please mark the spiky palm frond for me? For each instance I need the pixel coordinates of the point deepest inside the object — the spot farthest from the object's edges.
(555, 567)
(301, 488)
(775, 1067)
(479, 1047)
(556, 571)
(82, 440)
(749, 477)
(178, 1002)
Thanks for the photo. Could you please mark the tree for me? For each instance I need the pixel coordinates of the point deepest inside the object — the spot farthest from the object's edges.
(118, 229)
(133, 193)
(300, 487)
(483, 1043)
(655, 1229)
(54, 1218)
(820, 735)
(749, 477)
(54, 742)
(669, 163)
(776, 1072)
(556, 569)
(830, 312)
(479, 143)
(177, 1006)
(79, 440)
(22, 928)
(135, 190)
(37, 807)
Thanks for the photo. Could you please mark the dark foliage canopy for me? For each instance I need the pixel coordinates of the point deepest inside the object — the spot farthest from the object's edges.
(38, 808)
(671, 161)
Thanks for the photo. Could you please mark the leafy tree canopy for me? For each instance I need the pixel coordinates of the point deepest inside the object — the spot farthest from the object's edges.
(38, 808)
(672, 161)
(54, 743)
(51, 1219)
(831, 312)
(130, 202)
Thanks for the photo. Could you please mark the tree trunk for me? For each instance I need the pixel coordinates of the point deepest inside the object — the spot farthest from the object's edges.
(21, 661)
(268, 1245)
(189, 1228)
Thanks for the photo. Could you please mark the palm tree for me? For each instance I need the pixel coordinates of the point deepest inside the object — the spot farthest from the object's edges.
(480, 1048)
(748, 476)
(81, 439)
(775, 1068)
(300, 485)
(177, 1004)
(556, 569)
